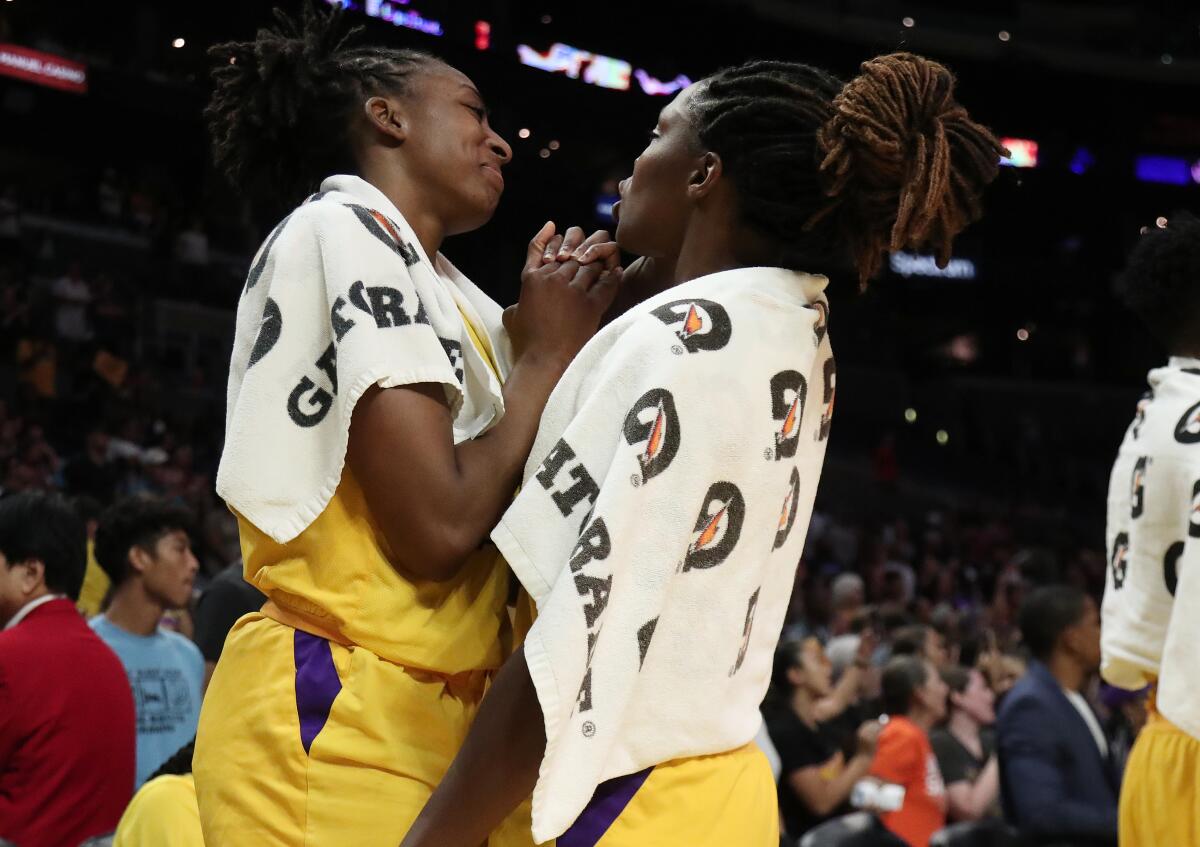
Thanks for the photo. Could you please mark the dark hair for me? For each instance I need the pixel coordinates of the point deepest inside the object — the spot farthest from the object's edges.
(957, 678)
(787, 655)
(902, 676)
(179, 764)
(1046, 614)
(41, 526)
(829, 171)
(134, 522)
(910, 640)
(283, 105)
(1161, 282)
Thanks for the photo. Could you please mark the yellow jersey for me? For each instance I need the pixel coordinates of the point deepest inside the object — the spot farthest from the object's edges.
(336, 579)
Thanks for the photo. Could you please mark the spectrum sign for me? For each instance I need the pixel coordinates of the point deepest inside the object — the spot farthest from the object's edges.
(595, 69)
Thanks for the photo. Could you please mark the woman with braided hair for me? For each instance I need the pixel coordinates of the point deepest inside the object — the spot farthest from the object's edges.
(630, 708)
(378, 418)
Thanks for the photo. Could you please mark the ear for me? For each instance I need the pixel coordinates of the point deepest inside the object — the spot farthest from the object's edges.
(387, 116)
(139, 559)
(795, 675)
(33, 575)
(704, 176)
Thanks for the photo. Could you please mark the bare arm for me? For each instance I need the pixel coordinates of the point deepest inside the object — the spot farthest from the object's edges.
(822, 796)
(434, 501)
(970, 802)
(843, 695)
(494, 771)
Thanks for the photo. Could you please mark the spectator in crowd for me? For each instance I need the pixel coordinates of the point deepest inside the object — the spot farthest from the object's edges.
(965, 748)
(164, 812)
(1057, 778)
(848, 596)
(92, 472)
(226, 599)
(815, 779)
(922, 641)
(66, 711)
(143, 546)
(914, 698)
(71, 290)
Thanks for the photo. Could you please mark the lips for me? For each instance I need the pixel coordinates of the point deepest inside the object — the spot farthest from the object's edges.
(494, 172)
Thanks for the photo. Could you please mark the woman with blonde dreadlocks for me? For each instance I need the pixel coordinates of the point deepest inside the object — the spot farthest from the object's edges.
(669, 490)
(375, 431)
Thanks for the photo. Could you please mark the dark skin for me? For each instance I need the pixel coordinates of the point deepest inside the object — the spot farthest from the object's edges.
(436, 158)
(676, 204)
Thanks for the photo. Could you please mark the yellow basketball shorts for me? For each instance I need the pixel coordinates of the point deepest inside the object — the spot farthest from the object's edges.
(724, 800)
(1160, 805)
(307, 742)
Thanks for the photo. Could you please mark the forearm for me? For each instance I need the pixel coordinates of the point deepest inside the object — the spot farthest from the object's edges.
(494, 771)
(842, 695)
(984, 792)
(489, 467)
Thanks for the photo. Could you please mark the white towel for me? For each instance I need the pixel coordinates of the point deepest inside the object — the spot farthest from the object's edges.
(341, 297)
(660, 523)
(1151, 611)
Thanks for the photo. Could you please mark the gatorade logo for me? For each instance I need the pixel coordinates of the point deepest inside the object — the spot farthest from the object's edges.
(1171, 567)
(268, 332)
(1138, 494)
(789, 390)
(699, 324)
(751, 608)
(1194, 515)
(653, 421)
(1120, 559)
(787, 516)
(1187, 431)
(717, 528)
(821, 327)
(830, 392)
(1139, 417)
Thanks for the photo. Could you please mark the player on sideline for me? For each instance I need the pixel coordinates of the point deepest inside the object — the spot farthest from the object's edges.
(680, 455)
(1150, 619)
(376, 429)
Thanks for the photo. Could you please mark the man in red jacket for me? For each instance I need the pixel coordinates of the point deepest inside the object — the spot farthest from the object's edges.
(67, 733)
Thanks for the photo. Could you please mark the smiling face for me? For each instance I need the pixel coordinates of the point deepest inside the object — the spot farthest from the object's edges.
(653, 212)
(450, 148)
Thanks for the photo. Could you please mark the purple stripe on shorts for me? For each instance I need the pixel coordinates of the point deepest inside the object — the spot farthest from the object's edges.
(317, 685)
(602, 810)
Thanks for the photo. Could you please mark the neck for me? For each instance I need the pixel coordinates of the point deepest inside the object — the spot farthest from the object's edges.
(134, 610)
(922, 717)
(1067, 671)
(804, 706)
(429, 228)
(37, 595)
(963, 727)
(715, 242)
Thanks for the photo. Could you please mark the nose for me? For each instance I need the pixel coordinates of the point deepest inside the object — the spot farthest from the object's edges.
(500, 147)
(622, 185)
(193, 564)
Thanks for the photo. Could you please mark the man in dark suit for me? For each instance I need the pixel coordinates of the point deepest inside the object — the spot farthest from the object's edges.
(67, 734)
(1057, 777)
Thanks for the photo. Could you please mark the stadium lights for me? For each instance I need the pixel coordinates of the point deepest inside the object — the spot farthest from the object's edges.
(908, 22)
(943, 437)
(1022, 334)
(544, 153)
(910, 415)
(523, 133)
(1161, 223)
(553, 145)
(1166, 58)
(177, 43)
(1024, 153)
(1004, 35)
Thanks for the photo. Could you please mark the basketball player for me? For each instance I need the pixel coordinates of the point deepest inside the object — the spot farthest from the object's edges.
(332, 713)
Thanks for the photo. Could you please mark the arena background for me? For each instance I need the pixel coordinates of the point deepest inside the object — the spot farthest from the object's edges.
(1001, 390)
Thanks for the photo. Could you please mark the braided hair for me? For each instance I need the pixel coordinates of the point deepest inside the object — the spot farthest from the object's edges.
(283, 105)
(829, 172)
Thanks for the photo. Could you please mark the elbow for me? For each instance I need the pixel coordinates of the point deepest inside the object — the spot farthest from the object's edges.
(437, 555)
